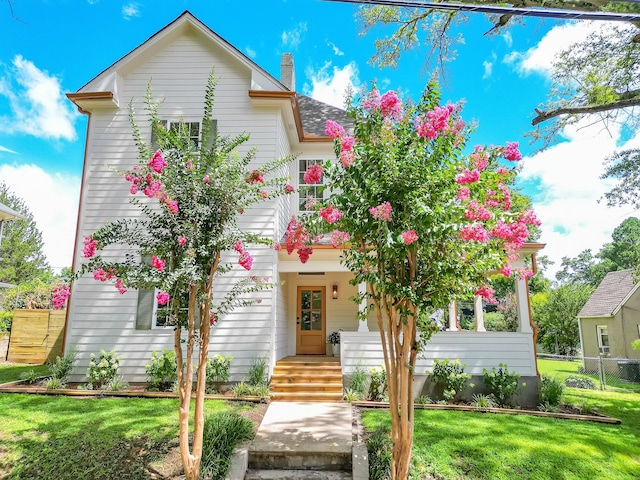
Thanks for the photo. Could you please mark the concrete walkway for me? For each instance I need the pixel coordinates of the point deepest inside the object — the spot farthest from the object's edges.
(311, 437)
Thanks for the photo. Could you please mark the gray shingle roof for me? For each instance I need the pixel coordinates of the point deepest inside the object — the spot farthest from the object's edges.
(314, 115)
(613, 289)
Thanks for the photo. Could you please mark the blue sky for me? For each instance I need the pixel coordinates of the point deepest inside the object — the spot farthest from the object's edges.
(54, 47)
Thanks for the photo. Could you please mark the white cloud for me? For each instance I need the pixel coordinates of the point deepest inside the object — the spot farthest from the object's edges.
(251, 53)
(488, 66)
(568, 190)
(336, 50)
(330, 83)
(508, 39)
(53, 200)
(292, 38)
(38, 106)
(5, 149)
(130, 10)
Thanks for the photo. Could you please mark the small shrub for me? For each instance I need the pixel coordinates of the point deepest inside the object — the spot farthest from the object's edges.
(102, 370)
(61, 366)
(358, 381)
(574, 381)
(241, 389)
(30, 377)
(6, 318)
(423, 400)
(258, 373)
(221, 433)
(352, 396)
(636, 344)
(450, 374)
(379, 450)
(54, 383)
(551, 390)
(547, 407)
(378, 384)
(162, 372)
(117, 384)
(218, 371)
(502, 383)
(586, 408)
(483, 401)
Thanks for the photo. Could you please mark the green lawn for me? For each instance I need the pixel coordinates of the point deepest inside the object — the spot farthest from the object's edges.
(460, 445)
(562, 369)
(10, 373)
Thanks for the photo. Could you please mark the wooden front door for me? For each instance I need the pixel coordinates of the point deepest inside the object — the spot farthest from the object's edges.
(310, 321)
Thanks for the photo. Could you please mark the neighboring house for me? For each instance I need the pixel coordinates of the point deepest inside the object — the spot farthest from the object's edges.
(610, 320)
(309, 300)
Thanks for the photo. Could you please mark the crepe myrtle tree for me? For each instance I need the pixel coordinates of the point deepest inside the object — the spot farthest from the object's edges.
(186, 235)
(421, 224)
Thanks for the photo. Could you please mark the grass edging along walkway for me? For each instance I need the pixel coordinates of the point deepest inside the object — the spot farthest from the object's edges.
(20, 387)
(510, 411)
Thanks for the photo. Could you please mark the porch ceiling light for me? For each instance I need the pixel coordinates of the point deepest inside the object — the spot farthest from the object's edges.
(335, 292)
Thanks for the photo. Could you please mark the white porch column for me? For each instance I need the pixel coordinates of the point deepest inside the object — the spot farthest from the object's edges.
(363, 326)
(478, 313)
(453, 318)
(522, 301)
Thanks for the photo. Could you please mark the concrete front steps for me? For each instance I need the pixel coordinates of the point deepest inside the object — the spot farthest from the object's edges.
(307, 379)
(296, 475)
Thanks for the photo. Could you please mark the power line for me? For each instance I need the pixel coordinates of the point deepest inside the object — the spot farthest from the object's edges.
(524, 12)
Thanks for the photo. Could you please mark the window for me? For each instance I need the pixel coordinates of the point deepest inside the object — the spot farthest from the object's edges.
(160, 318)
(190, 130)
(603, 339)
(306, 191)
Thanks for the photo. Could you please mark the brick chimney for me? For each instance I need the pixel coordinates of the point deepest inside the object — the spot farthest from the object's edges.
(287, 73)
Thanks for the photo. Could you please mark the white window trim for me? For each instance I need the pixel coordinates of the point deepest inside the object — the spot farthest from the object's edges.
(154, 317)
(603, 349)
(300, 182)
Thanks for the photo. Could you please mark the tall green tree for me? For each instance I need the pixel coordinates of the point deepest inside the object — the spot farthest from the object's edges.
(21, 247)
(424, 225)
(183, 240)
(558, 318)
(597, 76)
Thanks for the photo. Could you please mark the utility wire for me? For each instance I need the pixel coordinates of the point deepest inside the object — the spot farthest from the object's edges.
(524, 12)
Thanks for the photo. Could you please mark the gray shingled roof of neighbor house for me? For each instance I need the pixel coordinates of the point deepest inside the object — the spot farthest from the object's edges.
(314, 115)
(614, 288)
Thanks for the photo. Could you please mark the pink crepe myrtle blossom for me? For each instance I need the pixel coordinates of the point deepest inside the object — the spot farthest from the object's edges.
(479, 158)
(434, 122)
(464, 192)
(289, 188)
(524, 273)
(334, 130)
(212, 318)
(528, 217)
(158, 263)
(172, 205)
(133, 189)
(157, 162)
(391, 106)
(372, 100)
(330, 214)
(347, 157)
(511, 152)
(182, 240)
(382, 212)
(264, 194)
(468, 176)
(311, 203)
(255, 176)
(476, 211)
(296, 238)
(346, 143)
(313, 174)
(162, 298)
(409, 237)
(487, 293)
(474, 233)
(238, 246)
(120, 286)
(338, 238)
(101, 275)
(246, 260)
(506, 271)
(514, 234)
(60, 294)
(206, 179)
(304, 253)
(90, 246)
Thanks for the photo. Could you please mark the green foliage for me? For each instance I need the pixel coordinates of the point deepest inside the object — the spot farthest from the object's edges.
(450, 375)
(62, 366)
(162, 370)
(551, 390)
(351, 395)
(117, 384)
(218, 368)
(222, 432)
(103, 369)
(258, 374)
(378, 384)
(21, 246)
(480, 400)
(6, 318)
(424, 400)
(379, 448)
(34, 294)
(54, 383)
(636, 344)
(502, 383)
(358, 381)
(30, 376)
(576, 381)
(242, 389)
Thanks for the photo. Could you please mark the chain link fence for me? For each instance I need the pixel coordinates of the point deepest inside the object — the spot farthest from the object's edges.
(603, 373)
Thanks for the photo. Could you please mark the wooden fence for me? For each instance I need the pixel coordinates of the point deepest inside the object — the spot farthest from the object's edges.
(36, 336)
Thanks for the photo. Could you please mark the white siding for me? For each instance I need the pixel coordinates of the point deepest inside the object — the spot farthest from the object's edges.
(477, 349)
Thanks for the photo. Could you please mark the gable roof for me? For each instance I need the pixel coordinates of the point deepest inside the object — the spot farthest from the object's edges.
(612, 293)
(312, 114)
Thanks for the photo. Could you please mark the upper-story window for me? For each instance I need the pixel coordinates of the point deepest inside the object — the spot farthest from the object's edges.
(190, 130)
(308, 192)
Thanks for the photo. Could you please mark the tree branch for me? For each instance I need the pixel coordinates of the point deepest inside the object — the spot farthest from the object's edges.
(623, 102)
